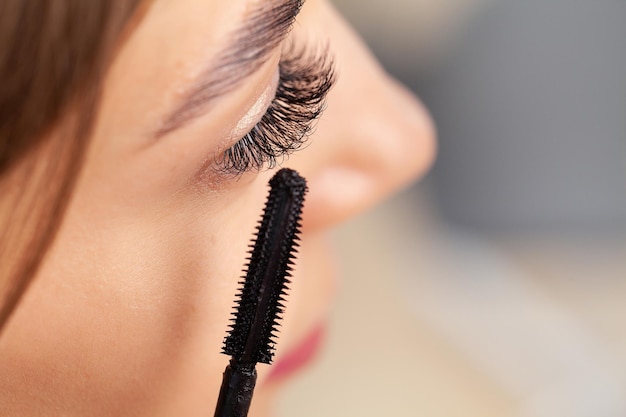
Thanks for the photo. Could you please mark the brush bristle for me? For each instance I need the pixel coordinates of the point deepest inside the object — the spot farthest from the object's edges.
(260, 300)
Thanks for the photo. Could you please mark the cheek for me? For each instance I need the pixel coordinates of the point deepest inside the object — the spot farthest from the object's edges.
(130, 312)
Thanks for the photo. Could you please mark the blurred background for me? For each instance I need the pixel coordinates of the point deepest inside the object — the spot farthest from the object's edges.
(496, 286)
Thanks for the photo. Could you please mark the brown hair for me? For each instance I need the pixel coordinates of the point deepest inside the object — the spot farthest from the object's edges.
(53, 57)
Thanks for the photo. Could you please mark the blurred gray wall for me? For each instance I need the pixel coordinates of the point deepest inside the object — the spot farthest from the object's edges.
(530, 102)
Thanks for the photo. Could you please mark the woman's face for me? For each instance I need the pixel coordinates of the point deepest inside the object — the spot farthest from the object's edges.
(129, 310)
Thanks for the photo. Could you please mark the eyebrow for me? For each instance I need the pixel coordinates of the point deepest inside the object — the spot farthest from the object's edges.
(249, 47)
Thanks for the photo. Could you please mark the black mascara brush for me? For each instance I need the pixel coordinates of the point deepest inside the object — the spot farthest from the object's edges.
(259, 301)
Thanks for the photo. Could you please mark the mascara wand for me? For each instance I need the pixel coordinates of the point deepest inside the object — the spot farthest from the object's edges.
(259, 303)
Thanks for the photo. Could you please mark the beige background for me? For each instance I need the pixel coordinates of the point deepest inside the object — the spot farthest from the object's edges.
(432, 322)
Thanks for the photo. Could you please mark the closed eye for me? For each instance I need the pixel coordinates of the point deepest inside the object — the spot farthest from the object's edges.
(305, 78)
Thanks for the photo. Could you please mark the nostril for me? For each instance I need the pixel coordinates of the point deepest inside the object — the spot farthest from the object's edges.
(382, 145)
(336, 193)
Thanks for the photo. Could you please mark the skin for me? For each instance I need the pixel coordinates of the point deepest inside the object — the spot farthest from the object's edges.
(128, 312)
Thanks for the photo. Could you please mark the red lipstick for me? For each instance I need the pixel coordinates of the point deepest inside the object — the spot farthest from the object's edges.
(300, 356)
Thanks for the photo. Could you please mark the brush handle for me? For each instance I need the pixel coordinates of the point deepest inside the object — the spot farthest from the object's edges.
(236, 391)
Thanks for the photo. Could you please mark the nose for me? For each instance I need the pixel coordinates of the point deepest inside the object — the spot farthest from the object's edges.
(374, 137)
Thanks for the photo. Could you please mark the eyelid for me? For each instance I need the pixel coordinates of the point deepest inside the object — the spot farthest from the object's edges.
(306, 75)
(258, 109)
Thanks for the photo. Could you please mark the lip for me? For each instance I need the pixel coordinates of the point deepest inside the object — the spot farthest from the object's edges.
(300, 356)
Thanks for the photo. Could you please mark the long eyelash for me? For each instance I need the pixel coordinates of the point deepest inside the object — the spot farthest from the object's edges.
(305, 79)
